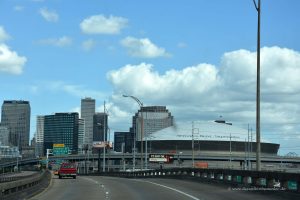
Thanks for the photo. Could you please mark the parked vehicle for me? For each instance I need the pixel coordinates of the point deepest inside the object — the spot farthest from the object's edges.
(67, 170)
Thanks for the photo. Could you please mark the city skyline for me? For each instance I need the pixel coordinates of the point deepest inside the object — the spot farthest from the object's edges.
(196, 58)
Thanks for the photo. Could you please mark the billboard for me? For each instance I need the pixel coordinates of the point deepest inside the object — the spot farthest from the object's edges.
(99, 144)
(166, 158)
(102, 144)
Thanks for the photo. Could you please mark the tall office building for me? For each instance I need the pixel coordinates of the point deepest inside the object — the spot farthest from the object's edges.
(154, 118)
(100, 127)
(15, 116)
(121, 138)
(61, 128)
(39, 138)
(80, 136)
(88, 107)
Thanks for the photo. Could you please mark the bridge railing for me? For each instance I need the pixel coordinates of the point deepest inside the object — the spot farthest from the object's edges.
(264, 180)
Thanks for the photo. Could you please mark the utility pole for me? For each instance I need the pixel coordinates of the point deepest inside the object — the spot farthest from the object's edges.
(258, 150)
(104, 137)
(193, 153)
(142, 135)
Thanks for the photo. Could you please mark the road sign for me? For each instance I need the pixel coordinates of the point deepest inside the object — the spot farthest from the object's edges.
(60, 150)
(58, 145)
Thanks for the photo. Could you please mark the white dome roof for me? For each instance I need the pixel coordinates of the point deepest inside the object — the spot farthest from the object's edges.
(210, 131)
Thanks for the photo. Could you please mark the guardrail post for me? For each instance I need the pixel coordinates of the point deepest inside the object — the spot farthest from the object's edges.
(228, 178)
(238, 179)
(271, 182)
(204, 175)
(220, 177)
(247, 180)
(261, 182)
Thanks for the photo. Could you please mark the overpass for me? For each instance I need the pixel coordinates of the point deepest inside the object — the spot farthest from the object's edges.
(268, 160)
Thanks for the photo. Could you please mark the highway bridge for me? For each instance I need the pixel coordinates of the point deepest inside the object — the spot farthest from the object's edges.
(115, 188)
(172, 183)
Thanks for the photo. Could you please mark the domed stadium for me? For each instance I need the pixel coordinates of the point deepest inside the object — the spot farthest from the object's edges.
(214, 138)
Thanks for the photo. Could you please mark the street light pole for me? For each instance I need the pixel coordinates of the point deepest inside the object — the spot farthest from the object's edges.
(193, 153)
(258, 150)
(142, 127)
(104, 137)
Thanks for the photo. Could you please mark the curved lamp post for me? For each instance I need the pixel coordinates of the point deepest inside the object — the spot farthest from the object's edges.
(142, 130)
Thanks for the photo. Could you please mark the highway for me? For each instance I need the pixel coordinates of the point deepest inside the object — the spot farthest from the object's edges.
(111, 188)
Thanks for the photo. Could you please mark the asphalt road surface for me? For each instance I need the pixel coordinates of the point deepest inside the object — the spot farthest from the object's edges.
(111, 188)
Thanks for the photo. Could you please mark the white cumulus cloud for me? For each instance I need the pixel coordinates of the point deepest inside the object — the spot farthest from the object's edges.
(143, 48)
(99, 24)
(59, 42)
(3, 35)
(10, 61)
(205, 91)
(142, 80)
(49, 15)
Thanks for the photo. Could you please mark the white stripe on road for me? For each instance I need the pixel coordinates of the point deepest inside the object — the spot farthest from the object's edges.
(170, 188)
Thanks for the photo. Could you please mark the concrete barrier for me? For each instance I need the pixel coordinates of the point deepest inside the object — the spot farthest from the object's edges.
(260, 179)
(26, 187)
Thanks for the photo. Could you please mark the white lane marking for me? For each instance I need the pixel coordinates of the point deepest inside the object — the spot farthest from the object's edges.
(170, 188)
(100, 185)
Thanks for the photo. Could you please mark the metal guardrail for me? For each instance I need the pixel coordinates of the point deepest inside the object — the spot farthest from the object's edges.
(25, 187)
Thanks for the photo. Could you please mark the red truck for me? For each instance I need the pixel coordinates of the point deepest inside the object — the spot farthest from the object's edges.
(67, 170)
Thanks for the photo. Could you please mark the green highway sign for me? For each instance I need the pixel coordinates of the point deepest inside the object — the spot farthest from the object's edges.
(60, 150)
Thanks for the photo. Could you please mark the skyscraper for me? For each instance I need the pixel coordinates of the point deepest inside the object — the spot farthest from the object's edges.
(154, 118)
(61, 128)
(88, 107)
(80, 135)
(15, 116)
(121, 138)
(39, 138)
(100, 127)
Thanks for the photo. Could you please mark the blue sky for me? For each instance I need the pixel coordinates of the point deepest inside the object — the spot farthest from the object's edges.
(197, 57)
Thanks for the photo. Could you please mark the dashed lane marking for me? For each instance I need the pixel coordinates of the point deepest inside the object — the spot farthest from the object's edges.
(170, 188)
